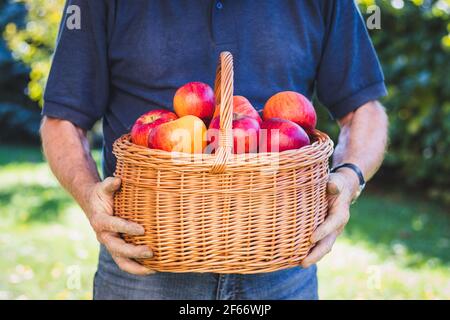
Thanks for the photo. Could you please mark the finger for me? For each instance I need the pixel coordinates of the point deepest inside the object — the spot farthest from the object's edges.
(337, 219)
(320, 250)
(335, 184)
(118, 247)
(132, 267)
(111, 185)
(119, 225)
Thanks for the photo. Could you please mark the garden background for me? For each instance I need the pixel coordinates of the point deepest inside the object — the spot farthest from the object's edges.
(397, 244)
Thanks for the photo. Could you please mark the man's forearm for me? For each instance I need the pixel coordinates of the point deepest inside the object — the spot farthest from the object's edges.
(67, 151)
(363, 138)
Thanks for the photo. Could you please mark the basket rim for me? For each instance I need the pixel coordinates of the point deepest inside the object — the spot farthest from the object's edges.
(319, 150)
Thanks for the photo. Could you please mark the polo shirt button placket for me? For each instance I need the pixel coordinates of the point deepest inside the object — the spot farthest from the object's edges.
(223, 28)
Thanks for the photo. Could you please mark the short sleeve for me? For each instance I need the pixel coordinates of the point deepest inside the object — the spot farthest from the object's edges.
(78, 85)
(349, 73)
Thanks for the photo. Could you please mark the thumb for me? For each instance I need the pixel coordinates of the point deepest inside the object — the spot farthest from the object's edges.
(111, 185)
(335, 184)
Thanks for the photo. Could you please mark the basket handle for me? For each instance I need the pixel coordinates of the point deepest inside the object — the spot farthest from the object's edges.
(223, 89)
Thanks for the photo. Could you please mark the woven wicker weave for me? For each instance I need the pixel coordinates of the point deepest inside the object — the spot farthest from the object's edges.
(223, 213)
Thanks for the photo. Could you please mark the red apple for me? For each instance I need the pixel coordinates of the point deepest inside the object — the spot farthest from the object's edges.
(292, 106)
(147, 122)
(186, 134)
(242, 106)
(196, 99)
(278, 135)
(245, 134)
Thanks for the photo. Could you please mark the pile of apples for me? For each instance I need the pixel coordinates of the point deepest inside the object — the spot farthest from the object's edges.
(287, 119)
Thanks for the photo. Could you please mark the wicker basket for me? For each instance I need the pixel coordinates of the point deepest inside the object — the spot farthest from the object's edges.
(223, 213)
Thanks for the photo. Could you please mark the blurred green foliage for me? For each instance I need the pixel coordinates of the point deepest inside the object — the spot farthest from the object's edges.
(414, 48)
(34, 43)
(19, 116)
(413, 45)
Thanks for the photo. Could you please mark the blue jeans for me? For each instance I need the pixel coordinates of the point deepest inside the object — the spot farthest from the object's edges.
(290, 284)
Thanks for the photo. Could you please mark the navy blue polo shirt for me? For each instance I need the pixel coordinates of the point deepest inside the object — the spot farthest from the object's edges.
(131, 56)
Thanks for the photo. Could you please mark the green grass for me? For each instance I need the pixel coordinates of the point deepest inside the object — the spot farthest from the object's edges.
(47, 250)
(395, 246)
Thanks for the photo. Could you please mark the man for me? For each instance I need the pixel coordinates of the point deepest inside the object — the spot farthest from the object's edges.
(130, 56)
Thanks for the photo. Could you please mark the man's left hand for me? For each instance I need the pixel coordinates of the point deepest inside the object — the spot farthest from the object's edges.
(341, 188)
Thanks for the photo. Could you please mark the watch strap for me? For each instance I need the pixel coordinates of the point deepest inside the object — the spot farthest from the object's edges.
(353, 167)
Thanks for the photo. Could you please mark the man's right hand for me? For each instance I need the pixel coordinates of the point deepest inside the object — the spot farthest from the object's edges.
(64, 143)
(100, 207)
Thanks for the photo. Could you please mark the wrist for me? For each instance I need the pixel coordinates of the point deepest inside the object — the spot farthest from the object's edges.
(85, 197)
(354, 178)
(351, 181)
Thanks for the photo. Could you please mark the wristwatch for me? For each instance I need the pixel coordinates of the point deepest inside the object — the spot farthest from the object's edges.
(355, 169)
